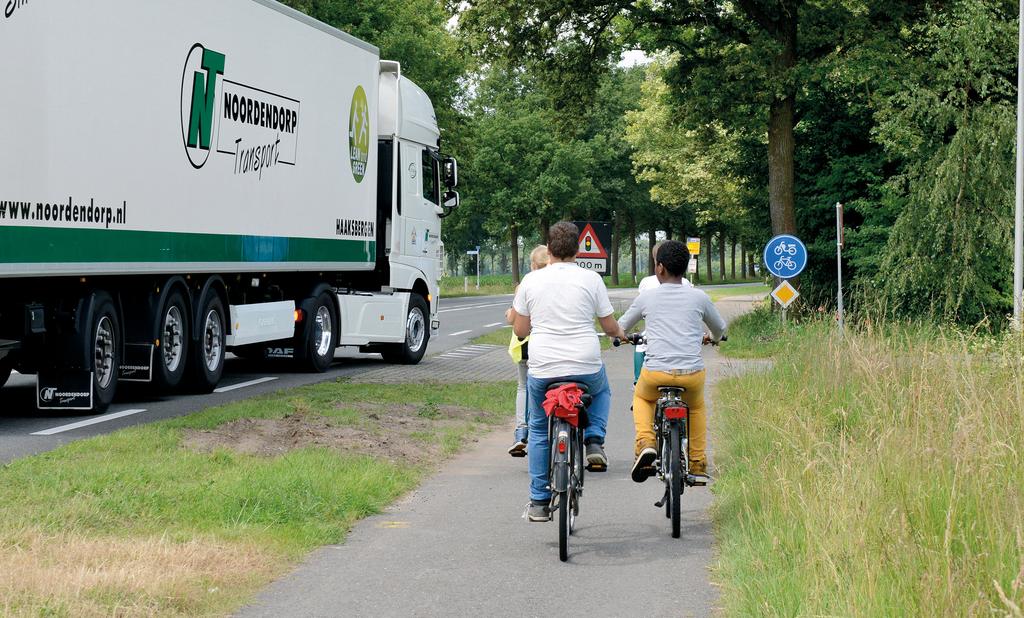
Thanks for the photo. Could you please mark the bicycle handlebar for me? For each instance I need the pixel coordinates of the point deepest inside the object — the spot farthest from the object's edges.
(638, 339)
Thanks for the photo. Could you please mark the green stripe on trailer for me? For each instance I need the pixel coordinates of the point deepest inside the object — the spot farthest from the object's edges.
(40, 245)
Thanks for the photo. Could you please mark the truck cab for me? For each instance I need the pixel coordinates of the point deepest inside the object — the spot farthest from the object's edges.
(420, 182)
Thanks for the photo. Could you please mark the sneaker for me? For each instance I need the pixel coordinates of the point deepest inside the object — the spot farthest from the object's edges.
(538, 511)
(643, 468)
(597, 461)
(518, 449)
(698, 475)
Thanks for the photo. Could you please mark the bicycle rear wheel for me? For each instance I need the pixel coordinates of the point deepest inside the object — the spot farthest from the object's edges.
(564, 525)
(675, 477)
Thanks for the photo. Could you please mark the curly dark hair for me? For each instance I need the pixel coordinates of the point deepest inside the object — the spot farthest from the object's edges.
(563, 240)
(674, 256)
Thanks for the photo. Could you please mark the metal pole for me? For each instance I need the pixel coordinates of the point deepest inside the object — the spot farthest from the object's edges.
(1018, 228)
(478, 269)
(839, 264)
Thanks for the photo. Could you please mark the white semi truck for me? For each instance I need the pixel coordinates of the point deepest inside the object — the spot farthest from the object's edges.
(184, 178)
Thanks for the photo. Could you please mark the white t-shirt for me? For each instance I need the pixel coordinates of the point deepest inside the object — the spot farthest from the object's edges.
(562, 301)
(649, 283)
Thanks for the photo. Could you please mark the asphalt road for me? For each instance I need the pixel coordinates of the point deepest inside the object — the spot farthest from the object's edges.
(462, 319)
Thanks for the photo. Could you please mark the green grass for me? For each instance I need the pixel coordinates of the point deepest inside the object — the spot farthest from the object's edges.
(139, 486)
(717, 294)
(493, 285)
(877, 475)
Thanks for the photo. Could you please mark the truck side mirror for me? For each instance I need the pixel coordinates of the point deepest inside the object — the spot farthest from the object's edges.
(451, 173)
(450, 203)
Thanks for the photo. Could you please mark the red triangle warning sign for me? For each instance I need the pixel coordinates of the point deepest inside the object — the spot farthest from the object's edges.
(590, 246)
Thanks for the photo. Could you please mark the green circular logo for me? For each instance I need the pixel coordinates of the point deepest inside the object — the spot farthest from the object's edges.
(359, 134)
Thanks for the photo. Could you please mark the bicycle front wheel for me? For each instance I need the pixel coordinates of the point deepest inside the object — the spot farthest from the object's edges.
(675, 477)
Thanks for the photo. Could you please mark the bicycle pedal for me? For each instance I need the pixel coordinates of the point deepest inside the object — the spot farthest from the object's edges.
(693, 481)
(596, 467)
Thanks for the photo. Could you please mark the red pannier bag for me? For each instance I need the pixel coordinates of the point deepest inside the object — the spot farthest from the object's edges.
(566, 402)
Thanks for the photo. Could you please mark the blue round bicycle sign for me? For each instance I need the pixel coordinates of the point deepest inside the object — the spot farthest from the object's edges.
(785, 256)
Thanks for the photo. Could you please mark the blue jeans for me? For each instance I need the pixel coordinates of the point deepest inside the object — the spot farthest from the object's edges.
(539, 446)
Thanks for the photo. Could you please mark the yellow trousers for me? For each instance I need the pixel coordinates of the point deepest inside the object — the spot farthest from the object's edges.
(645, 396)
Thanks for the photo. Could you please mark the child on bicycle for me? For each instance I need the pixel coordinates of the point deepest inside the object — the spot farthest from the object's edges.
(675, 317)
(538, 260)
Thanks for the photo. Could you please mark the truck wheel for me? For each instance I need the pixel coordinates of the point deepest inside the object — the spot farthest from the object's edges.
(172, 356)
(207, 356)
(103, 339)
(318, 337)
(417, 335)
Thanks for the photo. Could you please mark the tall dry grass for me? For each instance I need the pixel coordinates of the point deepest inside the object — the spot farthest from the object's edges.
(877, 475)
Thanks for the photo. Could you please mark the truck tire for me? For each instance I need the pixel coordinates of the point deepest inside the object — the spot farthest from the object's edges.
(171, 357)
(417, 335)
(206, 360)
(103, 340)
(318, 338)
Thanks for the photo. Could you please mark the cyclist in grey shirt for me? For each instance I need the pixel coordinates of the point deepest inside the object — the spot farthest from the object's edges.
(675, 318)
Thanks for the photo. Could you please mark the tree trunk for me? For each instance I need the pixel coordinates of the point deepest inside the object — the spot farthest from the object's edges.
(514, 237)
(632, 248)
(652, 236)
(750, 256)
(707, 251)
(733, 258)
(721, 254)
(613, 264)
(781, 121)
(668, 232)
(743, 261)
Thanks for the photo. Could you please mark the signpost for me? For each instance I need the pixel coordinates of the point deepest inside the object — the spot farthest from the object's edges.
(785, 256)
(595, 237)
(476, 252)
(839, 264)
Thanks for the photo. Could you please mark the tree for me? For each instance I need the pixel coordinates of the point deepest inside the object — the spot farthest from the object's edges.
(953, 121)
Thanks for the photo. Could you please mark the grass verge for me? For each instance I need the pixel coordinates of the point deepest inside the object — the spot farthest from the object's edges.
(493, 285)
(878, 475)
(135, 523)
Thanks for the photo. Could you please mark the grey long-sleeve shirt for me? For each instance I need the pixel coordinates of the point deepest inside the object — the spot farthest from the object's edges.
(675, 318)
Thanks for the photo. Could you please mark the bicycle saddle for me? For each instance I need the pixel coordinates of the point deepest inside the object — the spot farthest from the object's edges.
(669, 390)
(579, 385)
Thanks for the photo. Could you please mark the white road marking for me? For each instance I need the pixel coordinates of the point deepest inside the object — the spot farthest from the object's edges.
(495, 324)
(461, 332)
(473, 307)
(235, 387)
(91, 421)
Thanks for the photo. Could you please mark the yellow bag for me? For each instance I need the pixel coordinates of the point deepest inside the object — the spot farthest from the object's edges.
(515, 348)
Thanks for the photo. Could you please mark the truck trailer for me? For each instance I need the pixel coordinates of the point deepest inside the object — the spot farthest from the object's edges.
(180, 179)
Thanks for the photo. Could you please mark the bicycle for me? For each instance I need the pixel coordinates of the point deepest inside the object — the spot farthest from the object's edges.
(671, 417)
(566, 424)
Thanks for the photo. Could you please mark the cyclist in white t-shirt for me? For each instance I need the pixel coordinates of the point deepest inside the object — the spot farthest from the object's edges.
(556, 307)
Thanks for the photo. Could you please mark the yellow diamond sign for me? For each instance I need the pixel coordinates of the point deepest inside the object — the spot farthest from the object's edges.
(785, 294)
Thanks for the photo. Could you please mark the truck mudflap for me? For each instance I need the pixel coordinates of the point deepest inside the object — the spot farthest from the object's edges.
(64, 390)
(137, 364)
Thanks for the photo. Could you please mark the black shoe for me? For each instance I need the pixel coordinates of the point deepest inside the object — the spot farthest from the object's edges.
(518, 449)
(597, 461)
(643, 467)
(538, 511)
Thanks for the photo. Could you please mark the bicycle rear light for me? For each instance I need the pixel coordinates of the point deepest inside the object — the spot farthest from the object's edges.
(676, 412)
(561, 445)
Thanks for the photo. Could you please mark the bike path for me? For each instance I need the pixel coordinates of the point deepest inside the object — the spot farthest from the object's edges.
(459, 544)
